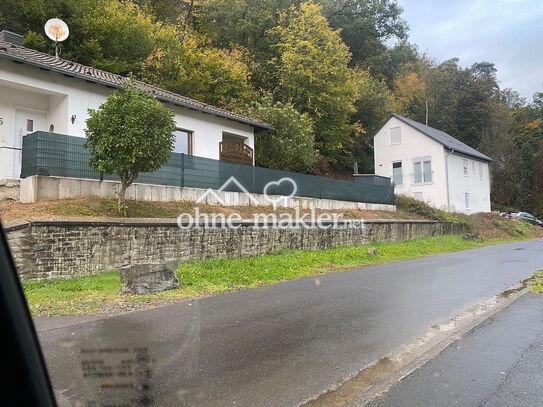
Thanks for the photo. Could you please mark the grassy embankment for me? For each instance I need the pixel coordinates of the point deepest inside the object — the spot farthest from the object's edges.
(101, 293)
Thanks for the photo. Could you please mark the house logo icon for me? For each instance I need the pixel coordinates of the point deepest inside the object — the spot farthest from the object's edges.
(275, 200)
(227, 183)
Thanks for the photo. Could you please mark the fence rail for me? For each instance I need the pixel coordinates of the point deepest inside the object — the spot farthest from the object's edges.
(65, 156)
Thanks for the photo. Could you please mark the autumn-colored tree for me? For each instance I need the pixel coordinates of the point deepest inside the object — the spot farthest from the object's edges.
(311, 69)
(187, 65)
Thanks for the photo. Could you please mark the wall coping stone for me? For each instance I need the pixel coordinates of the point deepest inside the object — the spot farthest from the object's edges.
(169, 222)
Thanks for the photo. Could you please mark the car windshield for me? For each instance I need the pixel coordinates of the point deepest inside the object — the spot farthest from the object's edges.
(277, 203)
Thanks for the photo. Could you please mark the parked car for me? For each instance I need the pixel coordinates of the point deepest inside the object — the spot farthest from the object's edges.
(525, 216)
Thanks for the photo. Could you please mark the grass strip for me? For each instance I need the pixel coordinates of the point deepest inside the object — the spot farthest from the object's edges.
(101, 293)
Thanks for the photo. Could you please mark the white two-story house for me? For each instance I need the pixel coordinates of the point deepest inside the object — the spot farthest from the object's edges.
(39, 92)
(432, 166)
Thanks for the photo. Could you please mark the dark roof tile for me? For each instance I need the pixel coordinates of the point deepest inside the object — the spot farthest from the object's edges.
(40, 59)
(441, 137)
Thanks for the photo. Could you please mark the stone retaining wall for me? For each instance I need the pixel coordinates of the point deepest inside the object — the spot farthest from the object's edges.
(68, 249)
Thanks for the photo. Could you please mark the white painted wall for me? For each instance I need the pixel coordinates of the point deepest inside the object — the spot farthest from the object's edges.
(415, 145)
(61, 97)
(412, 147)
(460, 184)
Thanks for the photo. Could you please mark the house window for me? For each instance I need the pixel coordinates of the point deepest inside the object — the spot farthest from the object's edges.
(465, 166)
(467, 203)
(395, 135)
(481, 171)
(29, 125)
(183, 141)
(422, 171)
(417, 196)
(397, 173)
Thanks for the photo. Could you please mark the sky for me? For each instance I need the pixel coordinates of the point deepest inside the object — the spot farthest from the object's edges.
(508, 33)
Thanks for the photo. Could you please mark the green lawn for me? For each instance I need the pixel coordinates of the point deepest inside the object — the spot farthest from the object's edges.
(98, 294)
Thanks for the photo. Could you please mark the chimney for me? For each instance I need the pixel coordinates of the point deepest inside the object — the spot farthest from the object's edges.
(11, 37)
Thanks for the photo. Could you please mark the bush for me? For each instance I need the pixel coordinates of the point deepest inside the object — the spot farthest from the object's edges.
(420, 208)
(291, 145)
(130, 133)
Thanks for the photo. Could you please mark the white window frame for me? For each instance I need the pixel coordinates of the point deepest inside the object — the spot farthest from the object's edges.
(399, 140)
(421, 161)
(467, 201)
(190, 140)
(401, 172)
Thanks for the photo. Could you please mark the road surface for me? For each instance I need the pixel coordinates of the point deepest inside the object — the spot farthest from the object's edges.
(279, 345)
(499, 363)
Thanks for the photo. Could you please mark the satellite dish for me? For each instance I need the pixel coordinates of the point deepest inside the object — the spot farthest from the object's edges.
(57, 30)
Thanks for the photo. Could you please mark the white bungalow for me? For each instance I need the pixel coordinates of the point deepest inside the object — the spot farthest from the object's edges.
(41, 93)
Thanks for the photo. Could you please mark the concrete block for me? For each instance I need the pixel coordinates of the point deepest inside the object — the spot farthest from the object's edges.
(108, 189)
(28, 189)
(69, 188)
(144, 192)
(130, 192)
(89, 188)
(47, 188)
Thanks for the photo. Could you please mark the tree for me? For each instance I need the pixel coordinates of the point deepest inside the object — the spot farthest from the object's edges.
(130, 133)
(375, 104)
(107, 34)
(312, 72)
(291, 145)
(188, 65)
(366, 25)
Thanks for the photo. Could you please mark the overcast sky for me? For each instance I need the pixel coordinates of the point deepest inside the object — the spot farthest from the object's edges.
(508, 33)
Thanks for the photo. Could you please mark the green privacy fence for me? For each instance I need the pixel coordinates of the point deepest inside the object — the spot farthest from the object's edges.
(64, 156)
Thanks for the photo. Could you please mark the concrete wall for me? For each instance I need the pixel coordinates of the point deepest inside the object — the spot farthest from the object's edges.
(61, 97)
(41, 188)
(67, 249)
(9, 189)
(446, 167)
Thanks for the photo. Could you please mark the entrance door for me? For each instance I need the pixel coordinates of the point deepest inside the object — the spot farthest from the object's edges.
(26, 122)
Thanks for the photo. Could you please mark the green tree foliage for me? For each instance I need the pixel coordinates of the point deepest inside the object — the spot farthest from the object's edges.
(188, 66)
(119, 36)
(130, 133)
(291, 145)
(366, 25)
(103, 33)
(374, 106)
(312, 73)
(339, 67)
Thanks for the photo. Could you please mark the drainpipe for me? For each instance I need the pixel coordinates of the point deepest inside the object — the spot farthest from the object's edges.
(447, 177)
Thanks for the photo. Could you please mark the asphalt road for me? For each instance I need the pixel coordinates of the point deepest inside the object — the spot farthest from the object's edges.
(274, 346)
(499, 363)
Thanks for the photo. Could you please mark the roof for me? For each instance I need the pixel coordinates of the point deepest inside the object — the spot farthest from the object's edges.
(49, 62)
(443, 138)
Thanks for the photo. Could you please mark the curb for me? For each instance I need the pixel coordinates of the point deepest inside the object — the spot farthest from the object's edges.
(373, 380)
